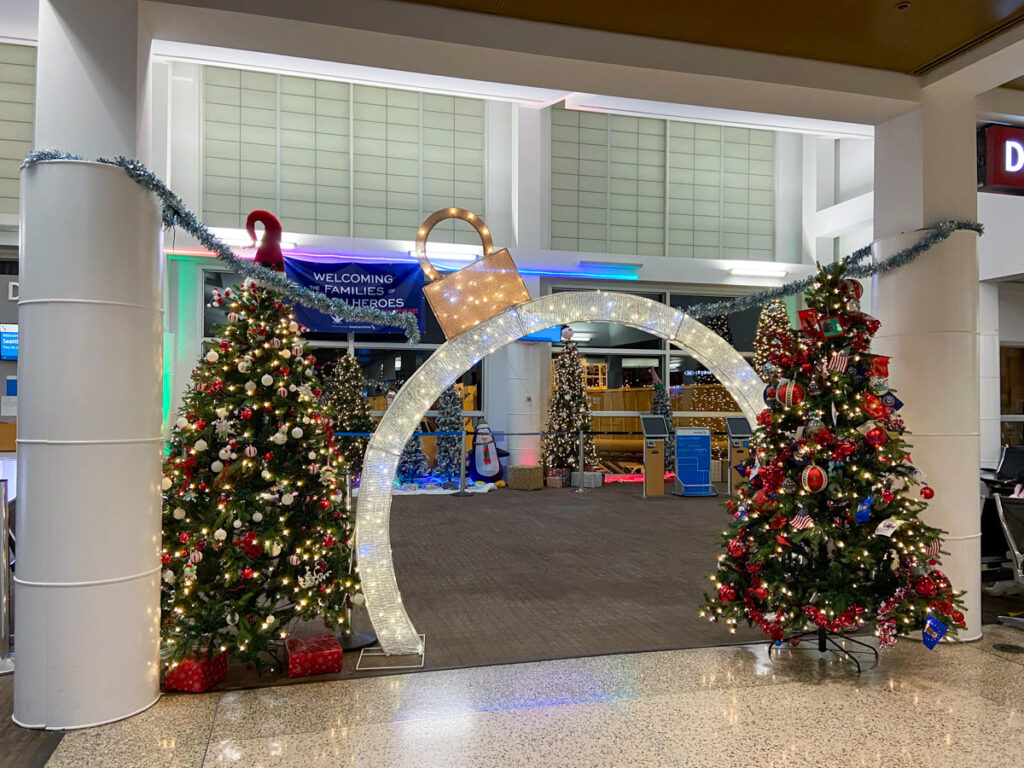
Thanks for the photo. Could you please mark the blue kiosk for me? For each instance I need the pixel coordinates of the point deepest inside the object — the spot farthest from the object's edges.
(693, 462)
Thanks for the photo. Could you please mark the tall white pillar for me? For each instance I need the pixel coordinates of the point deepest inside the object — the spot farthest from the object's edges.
(87, 607)
(988, 363)
(925, 172)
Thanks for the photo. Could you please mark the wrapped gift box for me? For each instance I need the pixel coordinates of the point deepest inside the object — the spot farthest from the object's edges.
(558, 478)
(313, 655)
(590, 479)
(197, 675)
(525, 477)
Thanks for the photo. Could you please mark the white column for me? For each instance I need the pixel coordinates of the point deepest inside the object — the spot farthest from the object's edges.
(988, 363)
(87, 607)
(925, 172)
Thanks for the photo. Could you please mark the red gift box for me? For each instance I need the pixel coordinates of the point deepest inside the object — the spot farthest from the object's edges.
(558, 478)
(313, 655)
(197, 675)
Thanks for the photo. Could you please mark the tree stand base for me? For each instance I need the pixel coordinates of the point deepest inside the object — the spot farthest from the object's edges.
(826, 638)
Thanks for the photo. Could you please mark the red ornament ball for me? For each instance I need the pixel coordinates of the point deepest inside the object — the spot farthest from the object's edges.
(183, 537)
(888, 496)
(764, 418)
(794, 641)
(872, 406)
(737, 548)
(876, 437)
(925, 587)
(246, 414)
(324, 503)
(813, 478)
(760, 593)
(958, 617)
(201, 424)
(328, 540)
(247, 573)
(726, 593)
(268, 456)
(317, 392)
(853, 288)
(225, 345)
(927, 492)
(789, 393)
(165, 558)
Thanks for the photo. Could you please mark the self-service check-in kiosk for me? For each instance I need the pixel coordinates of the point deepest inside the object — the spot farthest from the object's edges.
(693, 462)
(739, 448)
(655, 433)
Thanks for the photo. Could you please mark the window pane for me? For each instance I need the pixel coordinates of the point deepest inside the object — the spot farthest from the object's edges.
(1011, 381)
(742, 325)
(613, 335)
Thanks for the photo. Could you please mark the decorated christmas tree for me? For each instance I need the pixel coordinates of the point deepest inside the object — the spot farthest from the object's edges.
(413, 462)
(346, 404)
(661, 405)
(568, 415)
(774, 319)
(720, 325)
(826, 532)
(254, 532)
(450, 451)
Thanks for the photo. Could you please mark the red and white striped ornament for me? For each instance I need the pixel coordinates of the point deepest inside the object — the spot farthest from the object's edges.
(282, 391)
(297, 350)
(813, 478)
(789, 393)
(232, 317)
(196, 557)
(275, 343)
(251, 451)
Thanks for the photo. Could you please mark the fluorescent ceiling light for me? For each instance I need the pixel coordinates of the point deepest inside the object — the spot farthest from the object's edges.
(581, 337)
(759, 270)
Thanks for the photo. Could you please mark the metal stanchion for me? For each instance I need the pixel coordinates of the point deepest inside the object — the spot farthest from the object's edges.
(581, 489)
(462, 465)
(350, 639)
(6, 655)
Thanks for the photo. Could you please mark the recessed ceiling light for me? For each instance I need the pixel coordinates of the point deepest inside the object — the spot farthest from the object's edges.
(902, 6)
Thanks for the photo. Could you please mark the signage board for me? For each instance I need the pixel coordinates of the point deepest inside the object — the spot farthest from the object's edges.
(1001, 159)
(8, 341)
(391, 287)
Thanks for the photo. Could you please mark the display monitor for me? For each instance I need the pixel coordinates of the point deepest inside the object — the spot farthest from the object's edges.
(738, 426)
(8, 341)
(654, 426)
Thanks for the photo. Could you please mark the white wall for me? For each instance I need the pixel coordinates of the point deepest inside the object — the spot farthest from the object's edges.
(1001, 248)
(1011, 314)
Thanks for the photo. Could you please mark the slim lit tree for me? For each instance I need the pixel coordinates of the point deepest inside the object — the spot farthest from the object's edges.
(773, 321)
(568, 415)
(450, 448)
(345, 401)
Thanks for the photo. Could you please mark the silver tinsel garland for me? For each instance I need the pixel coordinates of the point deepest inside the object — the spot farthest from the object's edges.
(175, 214)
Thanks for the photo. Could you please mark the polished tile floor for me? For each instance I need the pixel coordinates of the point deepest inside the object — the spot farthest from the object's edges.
(959, 705)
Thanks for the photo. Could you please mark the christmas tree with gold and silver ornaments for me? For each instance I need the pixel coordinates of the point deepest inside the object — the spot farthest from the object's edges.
(826, 533)
(255, 532)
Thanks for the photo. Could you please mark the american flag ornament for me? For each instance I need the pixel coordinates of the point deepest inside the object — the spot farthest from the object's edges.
(801, 521)
(838, 361)
(934, 548)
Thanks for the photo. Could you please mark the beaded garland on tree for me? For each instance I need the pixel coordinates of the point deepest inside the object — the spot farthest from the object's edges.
(826, 532)
(255, 534)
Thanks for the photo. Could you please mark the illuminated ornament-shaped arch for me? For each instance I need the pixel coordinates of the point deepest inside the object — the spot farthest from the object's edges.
(373, 520)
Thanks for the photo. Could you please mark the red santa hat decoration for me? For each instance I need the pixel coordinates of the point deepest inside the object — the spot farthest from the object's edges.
(269, 253)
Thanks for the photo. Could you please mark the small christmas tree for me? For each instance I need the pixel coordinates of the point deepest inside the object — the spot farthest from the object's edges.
(568, 415)
(346, 402)
(661, 405)
(827, 532)
(720, 325)
(771, 325)
(413, 462)
(450, 451)
(254, 531)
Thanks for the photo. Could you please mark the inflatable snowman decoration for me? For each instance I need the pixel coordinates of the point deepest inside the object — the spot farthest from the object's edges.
(485, 458)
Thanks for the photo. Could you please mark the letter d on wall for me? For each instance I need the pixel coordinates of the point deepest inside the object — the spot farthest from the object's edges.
(1014, 156)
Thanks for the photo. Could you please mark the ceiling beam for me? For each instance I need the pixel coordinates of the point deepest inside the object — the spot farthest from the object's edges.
(1003, 105)
(989, 65)
(451, 43)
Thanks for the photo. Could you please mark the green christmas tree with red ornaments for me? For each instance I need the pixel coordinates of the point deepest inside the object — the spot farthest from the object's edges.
(255, 532)
(826, 531)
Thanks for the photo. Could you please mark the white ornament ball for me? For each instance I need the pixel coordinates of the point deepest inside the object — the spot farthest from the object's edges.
(212, 356)
(168, 576)
(297, 433)
(250, 387)
(279, 438)
(217, 466)
(265, 474)
(257, 517)
(358, 599)
(294, 559)
(309, 372)
(286, 354)
(181, 423)
(292, 387)
(271, 619)
(266, 380)
(243, 367)
(178, 513)
(287, 499)
(306, 419)
(200, 445)
(166, 484)
(251, 451)
(231, 618)
(237, 524)
(275, 549)
(196, 557)
(312, 454)
(220, 534)
(224, 454)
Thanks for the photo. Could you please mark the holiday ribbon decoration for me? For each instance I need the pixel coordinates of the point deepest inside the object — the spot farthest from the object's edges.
(175, 214)
(474, 293)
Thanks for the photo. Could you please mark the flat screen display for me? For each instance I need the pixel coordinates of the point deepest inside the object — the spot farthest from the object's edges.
(738, 427)
(654, 426)
(8, 341)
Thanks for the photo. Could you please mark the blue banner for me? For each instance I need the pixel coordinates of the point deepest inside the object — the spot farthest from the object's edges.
(397, 287)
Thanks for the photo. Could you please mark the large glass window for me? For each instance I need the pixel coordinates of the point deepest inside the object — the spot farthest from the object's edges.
(651, 187)
(336, 158)
(1011, 394)
(17, 101)
(742, 325)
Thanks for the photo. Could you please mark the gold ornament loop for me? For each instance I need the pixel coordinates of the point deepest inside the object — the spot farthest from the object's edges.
(449, 213)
